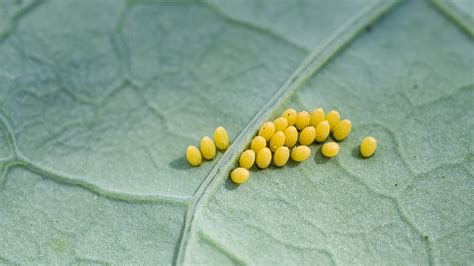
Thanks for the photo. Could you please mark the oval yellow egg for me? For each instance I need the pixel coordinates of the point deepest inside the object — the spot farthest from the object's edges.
(277, 141)
(264, 158)
(368, 146)
(193, 155)
(342, 129)
(239, 175)
(322, 131)
(307, 135)
(302, 120)
(317, 116)
(291, 136)
(247, 158)
(333, 118)
(330, 149)
(267, 130)
(208, 148)
(221, 138)
(300, 153)
(290, 115)
(280, 158)
(280, 123)
(258, 143)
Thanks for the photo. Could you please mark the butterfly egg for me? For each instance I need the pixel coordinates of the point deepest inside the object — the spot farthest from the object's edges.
(330, 149)
(300, 153)
(267, 130)
(302, 120)
(322, 131)
(333, 118)
(280, 123)
(290, 115)
(281, 156)
(221, 138)
(368, 146)
(239, 175)
(264, 158)
(342, 130)
(317, 116)
(247, 158)
(277, 141)
(291, 136)
(258, 143)
(307, 135)
(208, 148)
(193, 155)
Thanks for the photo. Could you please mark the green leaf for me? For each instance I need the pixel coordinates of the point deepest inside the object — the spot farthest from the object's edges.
(412, 88)
(99, 99)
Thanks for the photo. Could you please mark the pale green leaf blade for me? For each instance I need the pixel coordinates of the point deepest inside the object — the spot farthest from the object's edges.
(412, 88)
(98, 100)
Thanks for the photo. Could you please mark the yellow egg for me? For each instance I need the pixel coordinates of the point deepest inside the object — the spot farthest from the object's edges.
(291, 136)
(264, 158)
(239, 175)
(322, 131)
(330, 149)
(300, 153)
(221, 138)
(280, 158)
(368, 146)
(290, 115)
(342, 129)
(208, 148)
(258, 143)
(280, 123)
(317, 116)
(307, 135)
(333, 118)
(302, 120)
(277, 141)
(267, 130)
(193, 155)
(247, 158)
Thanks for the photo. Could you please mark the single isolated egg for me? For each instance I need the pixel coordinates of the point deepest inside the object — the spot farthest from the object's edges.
(368, 146)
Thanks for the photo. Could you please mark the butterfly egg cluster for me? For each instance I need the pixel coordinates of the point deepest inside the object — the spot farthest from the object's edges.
(208, 147)
(289, 137)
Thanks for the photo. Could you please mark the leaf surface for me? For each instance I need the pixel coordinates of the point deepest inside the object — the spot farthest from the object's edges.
(98, 100)
(410, 204)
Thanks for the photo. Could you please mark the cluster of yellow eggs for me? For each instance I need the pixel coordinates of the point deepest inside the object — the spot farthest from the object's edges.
(208, 147)
(275, 139)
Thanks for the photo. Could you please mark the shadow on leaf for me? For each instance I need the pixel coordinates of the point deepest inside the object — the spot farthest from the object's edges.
(180, 164)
